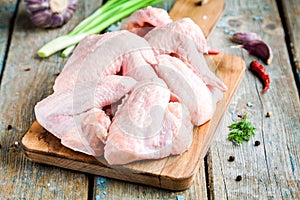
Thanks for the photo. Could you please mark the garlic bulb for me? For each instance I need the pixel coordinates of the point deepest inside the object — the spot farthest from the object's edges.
(50, 13)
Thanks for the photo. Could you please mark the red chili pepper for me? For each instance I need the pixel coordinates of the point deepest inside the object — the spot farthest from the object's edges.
(212, 51)
(260, 71)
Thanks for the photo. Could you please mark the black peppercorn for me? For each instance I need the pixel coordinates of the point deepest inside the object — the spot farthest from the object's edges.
(57, 73)
(9, 127)
(257, 143)
(238, 178)
(231, 158)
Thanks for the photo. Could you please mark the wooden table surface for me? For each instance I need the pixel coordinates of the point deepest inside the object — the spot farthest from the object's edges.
(268, 171)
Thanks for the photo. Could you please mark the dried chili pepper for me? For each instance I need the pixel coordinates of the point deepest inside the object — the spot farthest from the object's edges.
(260, 71)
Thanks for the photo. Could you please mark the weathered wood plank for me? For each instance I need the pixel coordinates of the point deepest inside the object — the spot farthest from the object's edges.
(7, 8)
(291, 11)
(269, 171)
(26, 80)
(106, 188)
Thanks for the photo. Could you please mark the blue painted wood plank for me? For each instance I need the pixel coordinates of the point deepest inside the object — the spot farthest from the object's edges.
(7, 11)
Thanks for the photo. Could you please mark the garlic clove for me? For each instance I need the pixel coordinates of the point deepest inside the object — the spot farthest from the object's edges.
(50, 13)
(243, 38)
(259, 49)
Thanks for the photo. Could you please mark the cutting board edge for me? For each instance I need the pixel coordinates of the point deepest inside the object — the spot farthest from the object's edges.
(147, 179)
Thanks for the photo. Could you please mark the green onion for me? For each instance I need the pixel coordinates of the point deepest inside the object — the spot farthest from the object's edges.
(59, 43)
(110, 12)
(68, 51)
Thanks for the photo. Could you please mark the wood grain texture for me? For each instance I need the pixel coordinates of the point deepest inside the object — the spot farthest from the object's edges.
(204, 15)
(269, 171)
(106, 188)
(291, 12)
(26, 80)
(7, 8)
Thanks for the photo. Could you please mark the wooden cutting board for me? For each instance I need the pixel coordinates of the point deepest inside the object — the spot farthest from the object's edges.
(174, 172)
(206, 16)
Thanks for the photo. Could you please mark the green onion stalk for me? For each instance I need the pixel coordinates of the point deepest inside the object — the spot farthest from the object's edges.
(107, 14)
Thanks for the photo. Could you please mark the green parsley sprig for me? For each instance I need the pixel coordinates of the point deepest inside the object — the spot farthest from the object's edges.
(241, 131)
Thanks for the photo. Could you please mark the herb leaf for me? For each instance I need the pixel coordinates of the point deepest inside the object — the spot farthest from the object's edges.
(241, 131)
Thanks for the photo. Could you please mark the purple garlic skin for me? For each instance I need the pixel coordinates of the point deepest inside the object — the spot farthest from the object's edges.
(259, 49)
(242, 38)
(50, 13)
